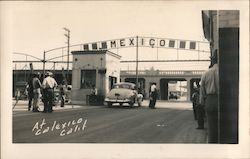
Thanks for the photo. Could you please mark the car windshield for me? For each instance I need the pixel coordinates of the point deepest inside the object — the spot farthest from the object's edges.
(126, 86)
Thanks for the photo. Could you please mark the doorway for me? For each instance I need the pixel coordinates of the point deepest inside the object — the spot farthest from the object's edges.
(173, 89)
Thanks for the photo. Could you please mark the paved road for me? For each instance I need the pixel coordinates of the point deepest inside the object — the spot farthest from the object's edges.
(171, 122)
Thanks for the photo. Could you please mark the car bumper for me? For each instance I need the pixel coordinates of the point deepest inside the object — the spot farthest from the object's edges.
(117, 100)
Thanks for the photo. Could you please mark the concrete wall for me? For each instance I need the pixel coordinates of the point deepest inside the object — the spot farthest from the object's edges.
(113, 69)
(229, 19)
(222, 19)
(214, 30)
(157, 79)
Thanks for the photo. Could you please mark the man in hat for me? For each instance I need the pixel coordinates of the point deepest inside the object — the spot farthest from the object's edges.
(209, 98)
(49, 83)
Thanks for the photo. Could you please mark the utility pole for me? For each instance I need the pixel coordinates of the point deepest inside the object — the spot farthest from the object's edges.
(68, 39)
(44, 64)
(137, 63)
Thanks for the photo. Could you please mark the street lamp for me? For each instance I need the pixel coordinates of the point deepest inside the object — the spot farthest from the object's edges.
(68, 38)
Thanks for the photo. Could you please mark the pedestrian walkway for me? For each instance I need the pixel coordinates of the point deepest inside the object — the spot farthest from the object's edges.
(170, 104)
(22, 105)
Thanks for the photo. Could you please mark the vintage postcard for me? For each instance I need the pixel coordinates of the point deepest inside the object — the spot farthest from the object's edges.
(125, 79)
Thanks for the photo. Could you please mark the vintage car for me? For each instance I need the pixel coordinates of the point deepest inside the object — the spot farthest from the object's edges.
(124, 92)
(173, 96)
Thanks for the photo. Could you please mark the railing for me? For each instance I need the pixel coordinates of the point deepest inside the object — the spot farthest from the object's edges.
(162, 72)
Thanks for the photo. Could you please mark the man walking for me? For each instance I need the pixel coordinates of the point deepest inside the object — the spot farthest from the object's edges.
(36, 91)
(30, 92)
(152, 96)
(62, 88)
(194, 98)
(49, 83)
(209, 98)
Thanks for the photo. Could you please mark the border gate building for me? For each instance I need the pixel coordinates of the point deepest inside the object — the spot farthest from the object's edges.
(93, 68)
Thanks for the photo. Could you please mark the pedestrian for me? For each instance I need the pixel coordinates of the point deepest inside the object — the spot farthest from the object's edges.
(194, 98)
(94, 90)
(93, 98)
(17, 94)
(30, 92)
(36, 84)
(49, 83)
(200, 110)
(152, 96)
(209, 98)
(62, 93)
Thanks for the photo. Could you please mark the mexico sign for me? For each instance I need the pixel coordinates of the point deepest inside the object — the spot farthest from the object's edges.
(141, 42)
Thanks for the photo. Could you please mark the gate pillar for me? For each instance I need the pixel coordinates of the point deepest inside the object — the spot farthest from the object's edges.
(188, 89)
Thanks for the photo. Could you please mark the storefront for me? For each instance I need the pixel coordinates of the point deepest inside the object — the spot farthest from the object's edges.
(99, 69)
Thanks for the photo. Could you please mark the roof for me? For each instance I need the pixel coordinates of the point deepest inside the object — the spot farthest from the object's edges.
(96, 52)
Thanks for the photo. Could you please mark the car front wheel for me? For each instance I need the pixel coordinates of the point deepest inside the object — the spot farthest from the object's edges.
(109, 104)
(132, 102)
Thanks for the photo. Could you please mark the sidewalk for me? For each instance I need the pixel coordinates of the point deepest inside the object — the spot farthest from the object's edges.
(22, 105)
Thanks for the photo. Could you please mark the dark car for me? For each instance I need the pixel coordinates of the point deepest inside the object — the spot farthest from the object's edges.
(173, 96)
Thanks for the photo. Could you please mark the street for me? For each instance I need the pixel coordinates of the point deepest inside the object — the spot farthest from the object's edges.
(170, 122)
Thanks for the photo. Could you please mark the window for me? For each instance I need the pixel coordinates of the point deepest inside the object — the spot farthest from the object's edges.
(171, 43)
(192, 45)
(104, 45)
(94, 46)
(112, 81)
(86, 47)
(182, 44)
(88, 78)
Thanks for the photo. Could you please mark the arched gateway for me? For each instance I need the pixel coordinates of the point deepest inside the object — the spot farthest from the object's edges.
(169, 82)
(105, 73)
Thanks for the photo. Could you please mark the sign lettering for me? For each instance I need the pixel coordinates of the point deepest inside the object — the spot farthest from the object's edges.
(113, 44)
(142, 41)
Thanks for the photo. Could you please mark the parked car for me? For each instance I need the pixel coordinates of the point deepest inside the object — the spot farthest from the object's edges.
(173, 96)
(122, 93)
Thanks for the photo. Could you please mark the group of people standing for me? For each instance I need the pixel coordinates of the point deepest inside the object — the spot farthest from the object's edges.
(205, 100)
(36, 89)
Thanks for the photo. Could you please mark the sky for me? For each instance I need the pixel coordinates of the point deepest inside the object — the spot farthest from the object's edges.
(38, 26)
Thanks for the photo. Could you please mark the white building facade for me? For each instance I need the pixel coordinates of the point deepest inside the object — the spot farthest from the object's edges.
(100, 69)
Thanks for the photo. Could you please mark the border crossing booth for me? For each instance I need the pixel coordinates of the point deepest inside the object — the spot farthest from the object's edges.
(100, 68)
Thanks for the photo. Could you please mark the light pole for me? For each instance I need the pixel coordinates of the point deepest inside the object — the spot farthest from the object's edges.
(44, 61)
(137, 63)
(68, 38)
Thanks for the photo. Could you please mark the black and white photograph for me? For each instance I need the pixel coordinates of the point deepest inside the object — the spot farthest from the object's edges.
(124, 79)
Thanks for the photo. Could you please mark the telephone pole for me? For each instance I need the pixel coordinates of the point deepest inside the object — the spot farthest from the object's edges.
(68, 39)
(136, 63)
